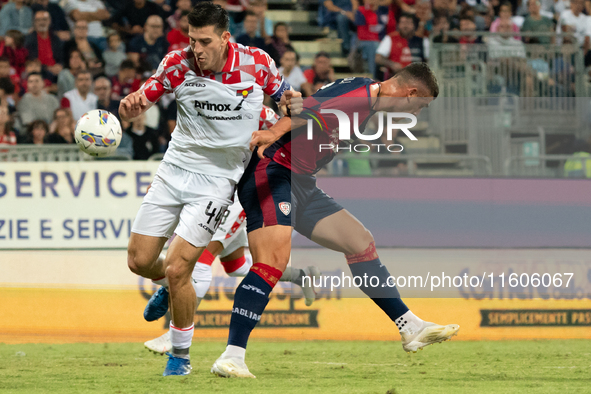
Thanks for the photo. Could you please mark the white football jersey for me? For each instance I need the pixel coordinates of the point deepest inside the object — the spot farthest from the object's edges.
(217, 112)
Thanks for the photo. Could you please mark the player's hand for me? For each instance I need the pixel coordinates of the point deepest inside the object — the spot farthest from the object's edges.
(132, 105)
(294, 101)
(263, 139)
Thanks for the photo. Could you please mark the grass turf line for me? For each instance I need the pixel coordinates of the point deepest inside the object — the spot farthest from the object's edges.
(301, 367)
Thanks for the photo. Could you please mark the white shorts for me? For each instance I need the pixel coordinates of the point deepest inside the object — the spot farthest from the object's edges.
(184, 202)
(232, 230)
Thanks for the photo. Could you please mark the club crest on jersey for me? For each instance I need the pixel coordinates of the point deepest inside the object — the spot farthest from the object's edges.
(285, 207)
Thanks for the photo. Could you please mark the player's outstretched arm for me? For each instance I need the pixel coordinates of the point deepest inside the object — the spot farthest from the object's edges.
(133, 105)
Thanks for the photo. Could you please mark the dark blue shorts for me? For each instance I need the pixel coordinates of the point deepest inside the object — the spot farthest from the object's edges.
(272, 195)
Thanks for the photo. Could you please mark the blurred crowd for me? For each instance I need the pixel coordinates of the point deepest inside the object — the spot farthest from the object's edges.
(390, 34)
(62, 58)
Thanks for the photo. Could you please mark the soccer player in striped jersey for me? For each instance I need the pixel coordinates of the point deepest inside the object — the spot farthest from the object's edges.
(278, 192)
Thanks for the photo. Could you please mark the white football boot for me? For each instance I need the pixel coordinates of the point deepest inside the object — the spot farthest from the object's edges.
(309, 291)
(231, 367)
(160, 345)
(414, 338)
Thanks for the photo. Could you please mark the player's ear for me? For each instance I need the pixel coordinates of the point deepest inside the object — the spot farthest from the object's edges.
(226, 37)
(412, 92)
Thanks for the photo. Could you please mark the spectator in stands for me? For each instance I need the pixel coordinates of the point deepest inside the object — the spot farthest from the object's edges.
(397, 50)
(93, 12)
(35, 66)
(80, 100)
(321, 71)
(505, 14)
(13, 47)
(279, 42)
(7, 135)
(126, 80)
(6, 95)
(149, 48)
(340, 15)
(505, 46)
(264, 24)
(442, 7)
(249, 38)
(37, 131)
(291, 71)
(44, 45)
(178, 38)
(102, 90)
(145, 139)
(59, 25)
(90, 51)
(440, 29)
(61, 130)
(8, 72)
(66, 79)
(424, 14)
(175, 18)
(575, 22)
(132, 19)
(371, 20)
(468, 26)
(114, 55)
(16, 15)
(36, 104)
(537, 23)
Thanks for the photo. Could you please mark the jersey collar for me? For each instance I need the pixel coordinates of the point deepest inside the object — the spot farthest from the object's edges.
(230, 61)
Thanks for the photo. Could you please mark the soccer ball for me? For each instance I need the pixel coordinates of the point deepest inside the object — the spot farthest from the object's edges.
(98, 133)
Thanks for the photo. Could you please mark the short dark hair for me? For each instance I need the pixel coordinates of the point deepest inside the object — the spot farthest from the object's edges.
(6, 85)
(126, 65)
(407, 15)
(278, 24)
(249, 13)
(80, 72)
(419, 72)
(208, 14)
(185, 13)
(36, 124)
(34, 73)
(322, 54)
(297, 55)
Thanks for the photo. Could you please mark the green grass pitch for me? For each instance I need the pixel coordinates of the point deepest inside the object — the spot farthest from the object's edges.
(306, 367)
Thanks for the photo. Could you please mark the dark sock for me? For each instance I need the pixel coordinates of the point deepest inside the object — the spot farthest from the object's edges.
(386, 297)
(250, 300)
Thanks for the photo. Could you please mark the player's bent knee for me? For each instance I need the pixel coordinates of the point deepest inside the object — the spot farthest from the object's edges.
(364, 240)
(177, 270)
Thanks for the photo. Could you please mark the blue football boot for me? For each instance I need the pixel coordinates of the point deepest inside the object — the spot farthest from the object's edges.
(177, 366)
(157, 305)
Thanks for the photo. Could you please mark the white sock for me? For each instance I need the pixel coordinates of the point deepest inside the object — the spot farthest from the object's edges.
(181, 338)
(235, 352)
(201, 279)
(290, 274)
(409, 323)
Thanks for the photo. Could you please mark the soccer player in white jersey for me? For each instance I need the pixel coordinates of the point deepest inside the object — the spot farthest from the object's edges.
(219, 88)
(229, 244)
